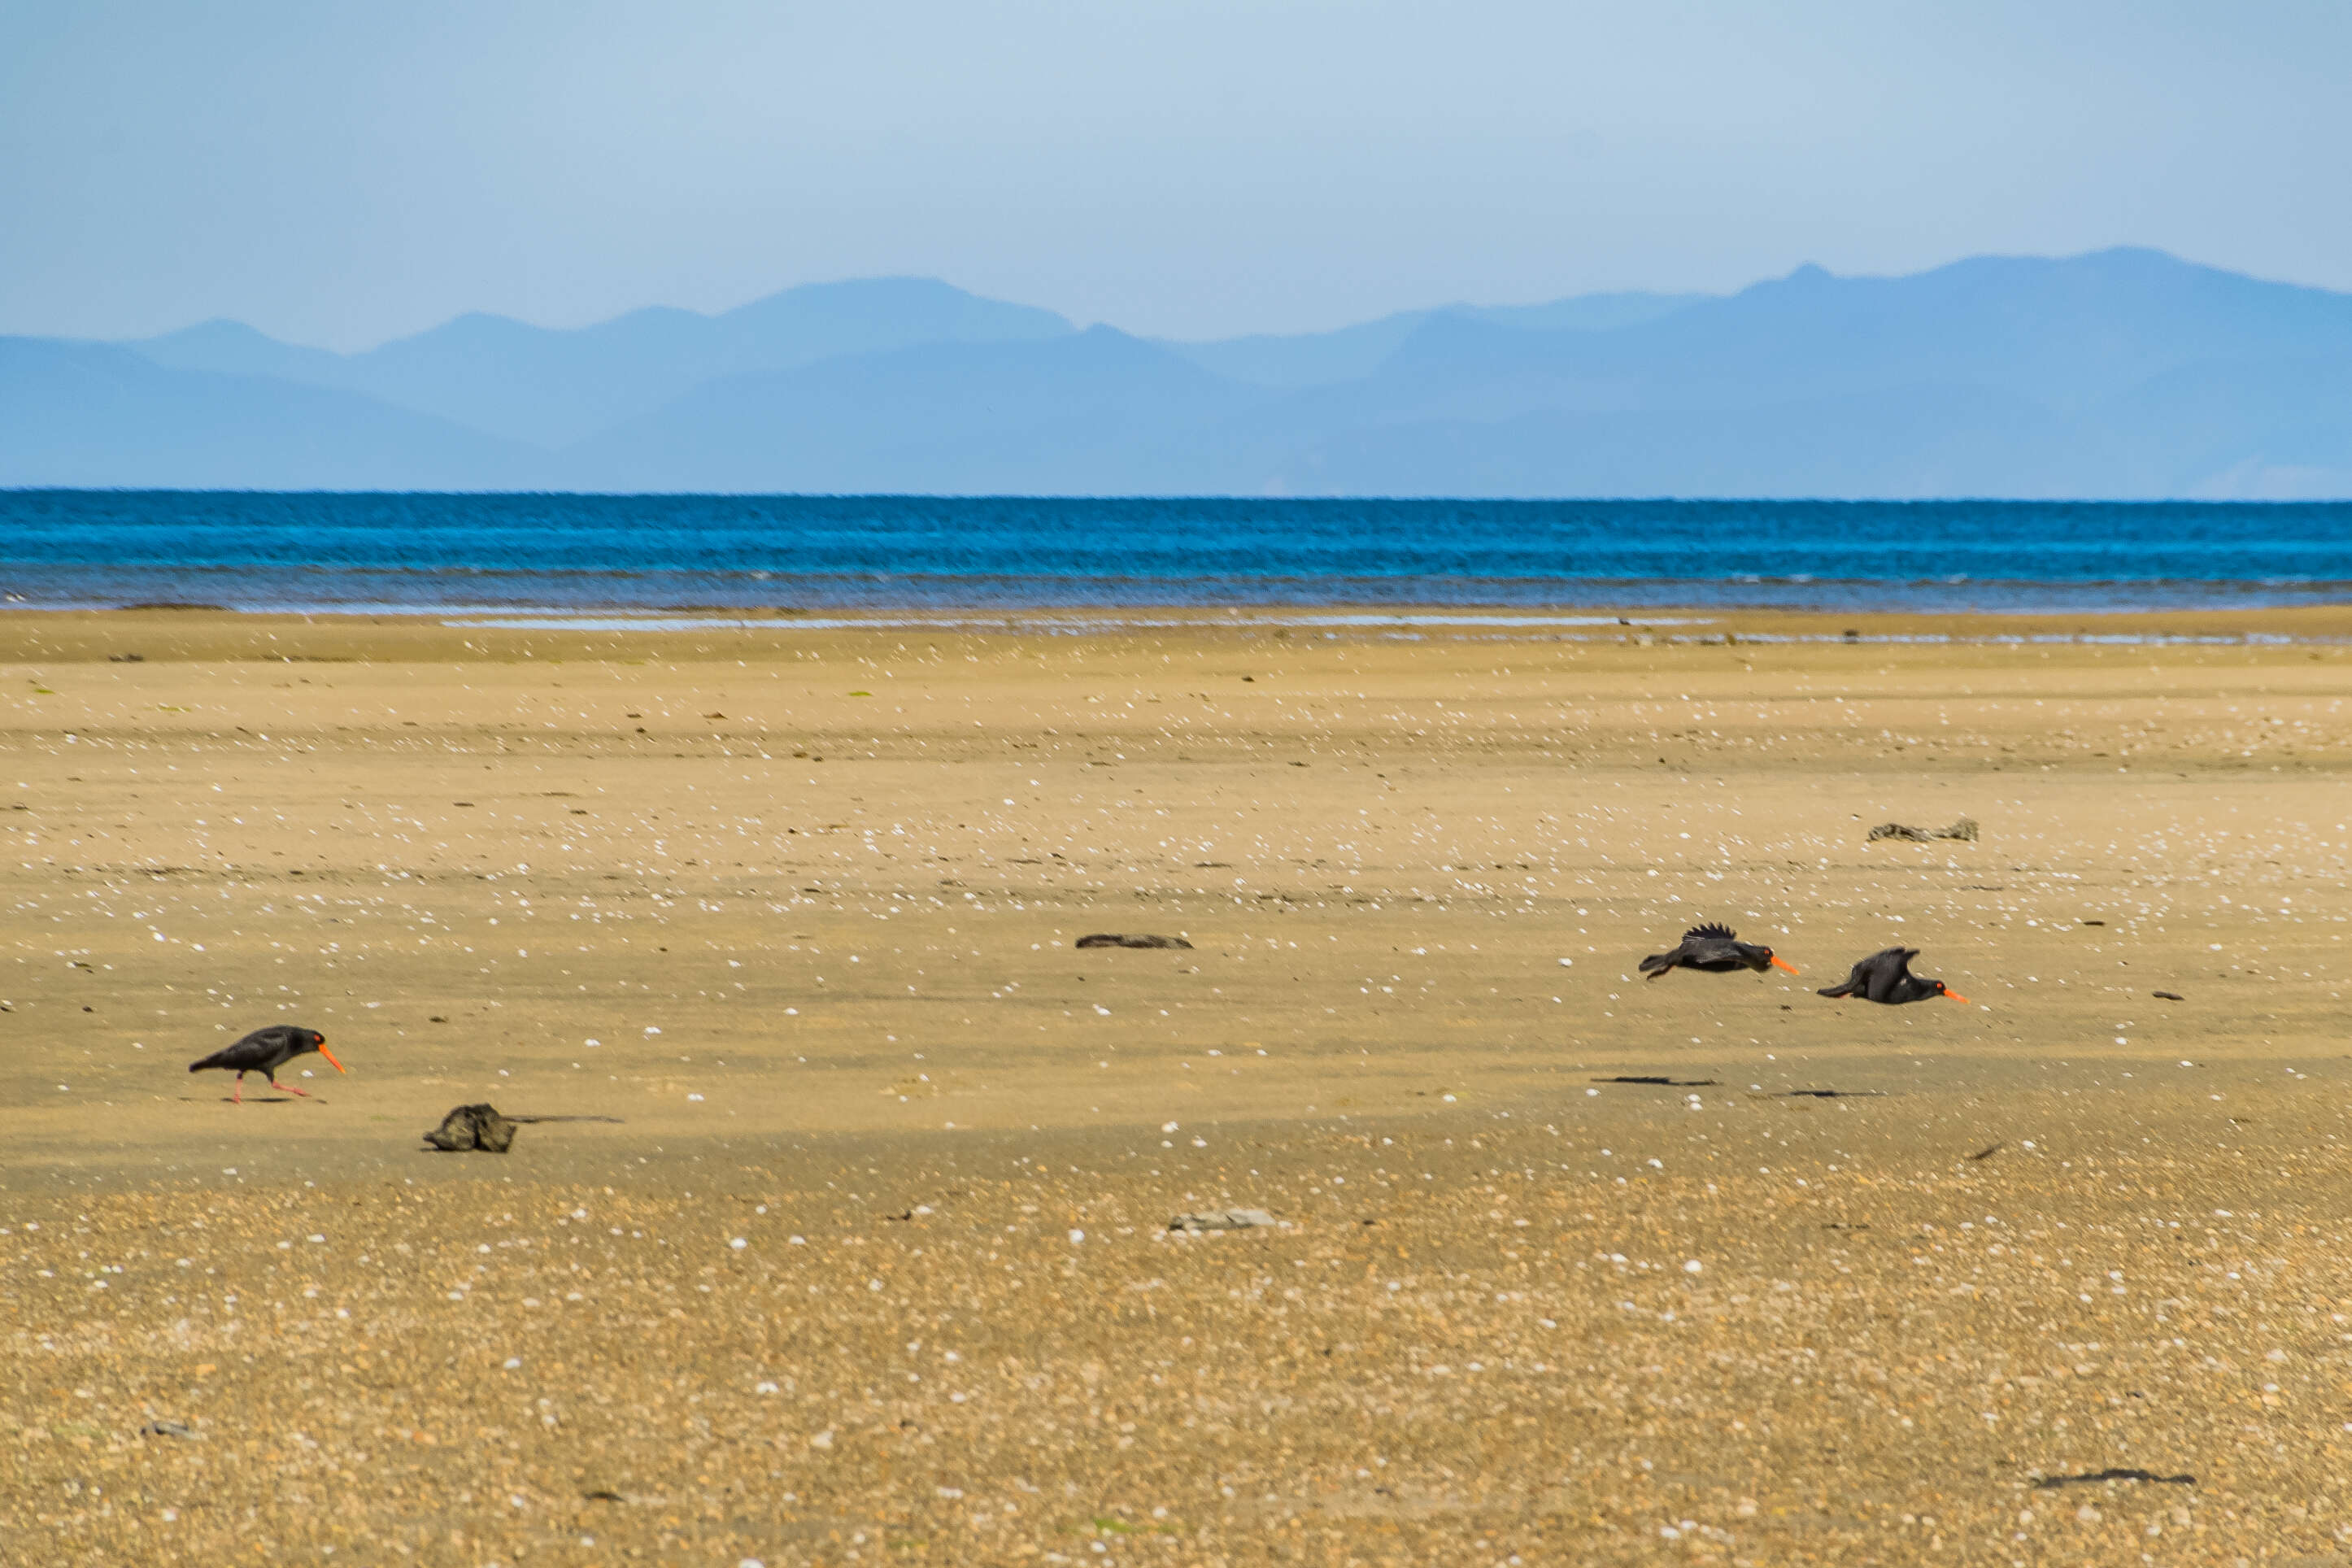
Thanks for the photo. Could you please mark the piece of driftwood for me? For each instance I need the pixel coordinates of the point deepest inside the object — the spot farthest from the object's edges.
(2100, 1477)
(1965, 829)
(1222, 1220)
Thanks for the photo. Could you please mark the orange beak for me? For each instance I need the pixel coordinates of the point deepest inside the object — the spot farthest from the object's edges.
(329, 1055)
(1780, 963)
(1955, 996)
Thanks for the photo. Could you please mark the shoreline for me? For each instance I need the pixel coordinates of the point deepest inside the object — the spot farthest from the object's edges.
(207, 631)
(396, 592)
(1336, 612)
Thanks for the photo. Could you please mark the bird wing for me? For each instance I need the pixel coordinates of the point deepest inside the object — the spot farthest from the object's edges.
(1889, 973)
(1863, 979)
(257, 1051)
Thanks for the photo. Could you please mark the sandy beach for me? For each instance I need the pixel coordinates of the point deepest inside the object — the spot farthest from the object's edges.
(874, 1265)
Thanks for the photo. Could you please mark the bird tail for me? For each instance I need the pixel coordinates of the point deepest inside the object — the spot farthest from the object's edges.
(1845, 988)
(212, 1060)
(1657, 963)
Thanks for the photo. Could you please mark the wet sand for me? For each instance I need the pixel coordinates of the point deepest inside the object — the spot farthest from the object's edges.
(875, 1266)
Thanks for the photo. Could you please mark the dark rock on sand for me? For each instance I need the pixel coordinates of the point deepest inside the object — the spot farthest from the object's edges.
(1113, 938)
(473, 1127)
(488, 1129)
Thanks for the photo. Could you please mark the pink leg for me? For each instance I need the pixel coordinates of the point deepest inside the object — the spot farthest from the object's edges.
(289, 1088)
(239, 1098)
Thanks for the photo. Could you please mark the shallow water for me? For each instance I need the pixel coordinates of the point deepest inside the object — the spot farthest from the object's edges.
(445, 553)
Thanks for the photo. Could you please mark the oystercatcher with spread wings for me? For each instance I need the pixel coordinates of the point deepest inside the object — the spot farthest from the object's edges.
(1717, 949)
(1885, 976)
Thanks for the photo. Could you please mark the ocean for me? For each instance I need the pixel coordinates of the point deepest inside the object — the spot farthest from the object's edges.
(439, 553)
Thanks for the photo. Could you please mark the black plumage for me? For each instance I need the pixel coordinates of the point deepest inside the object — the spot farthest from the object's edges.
(265, 1051)
(1885, 976)
(1714, 948)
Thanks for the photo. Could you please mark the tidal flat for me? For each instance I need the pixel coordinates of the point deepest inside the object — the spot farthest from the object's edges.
(874, 1264)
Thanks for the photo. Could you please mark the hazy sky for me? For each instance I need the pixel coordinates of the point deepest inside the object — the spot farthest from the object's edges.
(343, 170)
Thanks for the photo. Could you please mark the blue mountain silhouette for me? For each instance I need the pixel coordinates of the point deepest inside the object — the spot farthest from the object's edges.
(1088, 413)
(92, 416)
(2120, 373)
(1348, 353)
(553, 386)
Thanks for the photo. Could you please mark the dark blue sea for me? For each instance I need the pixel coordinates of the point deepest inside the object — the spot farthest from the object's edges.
(571, 552)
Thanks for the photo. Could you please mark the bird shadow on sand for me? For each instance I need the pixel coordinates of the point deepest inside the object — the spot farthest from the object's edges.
(257, 1099)
(1659, 1080)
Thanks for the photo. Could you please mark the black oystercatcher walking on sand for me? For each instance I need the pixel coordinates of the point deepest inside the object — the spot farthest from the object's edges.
(265, 1051)
(1885, 976)
(1715, 948)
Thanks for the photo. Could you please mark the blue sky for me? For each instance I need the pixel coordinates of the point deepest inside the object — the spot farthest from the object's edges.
(342, 172)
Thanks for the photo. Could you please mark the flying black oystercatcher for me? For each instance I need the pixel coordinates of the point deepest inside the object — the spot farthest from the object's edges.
(265, 1051)
(1885, 976)
(1715, 948)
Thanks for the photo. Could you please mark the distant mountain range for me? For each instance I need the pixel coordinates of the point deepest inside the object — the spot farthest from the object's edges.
(550, 388)
(2123, 374)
